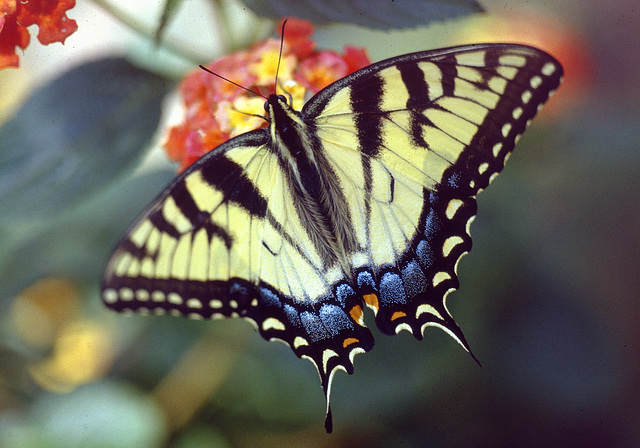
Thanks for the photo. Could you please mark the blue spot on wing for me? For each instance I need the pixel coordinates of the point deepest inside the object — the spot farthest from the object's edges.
(392, 289)
(414, 279)
(343, 291)
(314, 326)
(425, 254)
(292, 315)
(269, 298)
(334, 318)
(366, 279)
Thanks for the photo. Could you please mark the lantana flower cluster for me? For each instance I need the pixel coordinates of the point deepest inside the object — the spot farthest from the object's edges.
(17, 15)
(217, 110)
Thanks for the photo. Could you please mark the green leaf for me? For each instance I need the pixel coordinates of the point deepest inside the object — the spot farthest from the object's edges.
(381, 14)
(74, 135)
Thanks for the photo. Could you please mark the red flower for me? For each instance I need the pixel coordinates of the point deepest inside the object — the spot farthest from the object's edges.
(216, 110)
(17, 15)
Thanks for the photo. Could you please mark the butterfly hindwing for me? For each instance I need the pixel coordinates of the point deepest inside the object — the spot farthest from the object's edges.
(362, 199)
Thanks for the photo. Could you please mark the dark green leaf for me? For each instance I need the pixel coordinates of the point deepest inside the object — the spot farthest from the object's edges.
(74, 135)
(382, 14)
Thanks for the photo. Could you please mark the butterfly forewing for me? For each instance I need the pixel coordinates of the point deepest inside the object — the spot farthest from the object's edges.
(400, 150)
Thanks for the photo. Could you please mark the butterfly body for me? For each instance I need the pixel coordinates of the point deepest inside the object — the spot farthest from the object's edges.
(364, 198)
(317, 195)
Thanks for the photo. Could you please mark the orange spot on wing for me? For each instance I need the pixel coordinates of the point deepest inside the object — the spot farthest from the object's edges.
(398, 315)
(356, 314)
(372, 301)
(348, 341)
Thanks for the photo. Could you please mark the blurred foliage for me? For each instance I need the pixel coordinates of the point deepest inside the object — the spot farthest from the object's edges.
(74, 136)
(376, 15)
(549, 296)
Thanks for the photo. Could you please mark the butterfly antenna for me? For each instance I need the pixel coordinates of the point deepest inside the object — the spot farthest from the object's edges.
(229, 81)
(275, 86)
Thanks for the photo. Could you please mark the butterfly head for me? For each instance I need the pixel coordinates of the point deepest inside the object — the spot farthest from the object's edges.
(273, 99)
(285, 123)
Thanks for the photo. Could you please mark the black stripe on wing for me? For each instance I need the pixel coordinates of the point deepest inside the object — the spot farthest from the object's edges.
(219, 172)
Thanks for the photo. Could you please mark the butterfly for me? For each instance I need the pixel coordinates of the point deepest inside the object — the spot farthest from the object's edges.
(364, 198)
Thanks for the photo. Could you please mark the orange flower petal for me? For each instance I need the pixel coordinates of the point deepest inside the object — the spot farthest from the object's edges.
(217, 109)
(49, 15)
(320, 70)
(8, 7)
(175, 140)
(51, 18)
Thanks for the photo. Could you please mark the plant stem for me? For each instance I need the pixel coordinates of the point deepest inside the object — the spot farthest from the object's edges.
(144, 30)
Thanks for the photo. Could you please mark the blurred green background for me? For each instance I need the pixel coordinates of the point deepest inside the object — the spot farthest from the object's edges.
(549, 295)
